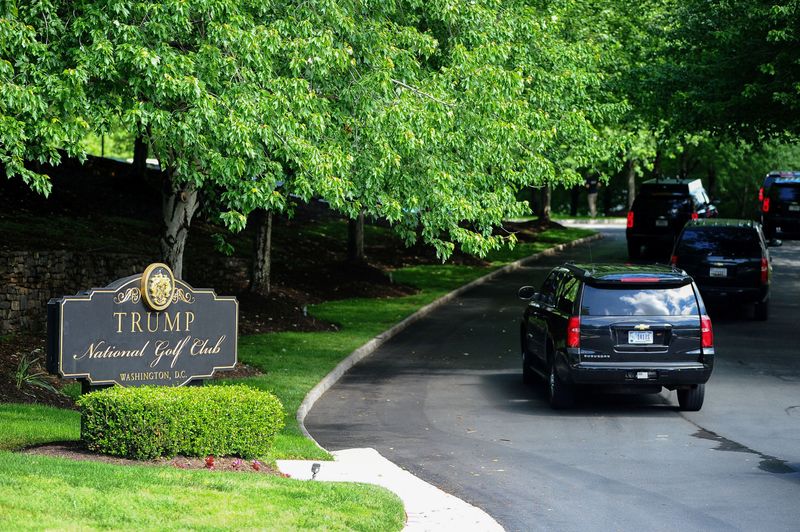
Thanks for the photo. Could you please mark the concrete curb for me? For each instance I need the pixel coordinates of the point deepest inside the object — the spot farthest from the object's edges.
(368, 348)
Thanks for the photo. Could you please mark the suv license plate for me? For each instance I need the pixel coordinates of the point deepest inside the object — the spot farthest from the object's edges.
(640, 337)
(794, 207)
(662, 223)
(718, 272)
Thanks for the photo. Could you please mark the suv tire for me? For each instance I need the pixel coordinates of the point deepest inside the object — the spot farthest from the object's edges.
(691, 399)
(762, 310)
(561, 394)
(528, 376)
(634, 249)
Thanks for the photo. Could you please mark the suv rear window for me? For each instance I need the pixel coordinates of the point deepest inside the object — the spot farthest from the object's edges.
(663, 203)
(677, 301)
(723, 241)
(785, 193)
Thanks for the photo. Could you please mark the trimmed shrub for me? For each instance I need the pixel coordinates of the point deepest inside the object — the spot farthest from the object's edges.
(148, 422)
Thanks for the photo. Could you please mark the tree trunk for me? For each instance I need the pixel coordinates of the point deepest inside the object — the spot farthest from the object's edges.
(355, 239)
(712, 182)
(179, 203)
(683, 159)
(657, 165)
(630, 179)
(139, 157)
(544, 211)
(536, 197)
(574, 199)
(262, 259)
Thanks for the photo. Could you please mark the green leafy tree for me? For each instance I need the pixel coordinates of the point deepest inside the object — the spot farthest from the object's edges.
(42, 100)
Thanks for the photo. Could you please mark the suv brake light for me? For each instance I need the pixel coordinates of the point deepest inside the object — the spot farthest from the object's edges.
(761, 194)
(630, 219)
(695, 216)
(640, 279)
(765, 205)
(706, 332)
(574, 332)
(674, 260)
(764, 270)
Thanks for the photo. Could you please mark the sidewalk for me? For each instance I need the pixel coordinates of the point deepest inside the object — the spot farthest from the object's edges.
(428, 508)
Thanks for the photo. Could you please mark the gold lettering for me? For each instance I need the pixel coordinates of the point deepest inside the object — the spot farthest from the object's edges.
(119, 316)
(154, 328)
(189, 320)
(136, 319)
(170, 325)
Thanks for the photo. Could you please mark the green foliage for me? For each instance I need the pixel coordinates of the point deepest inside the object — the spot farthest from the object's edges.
(148, 422)
(42, 104)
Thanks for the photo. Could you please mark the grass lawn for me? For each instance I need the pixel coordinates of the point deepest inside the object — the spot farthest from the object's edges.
(43, 492)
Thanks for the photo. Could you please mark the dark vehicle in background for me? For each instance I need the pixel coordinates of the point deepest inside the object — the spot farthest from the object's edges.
(770, 178)
(661, 209)
(621, 328)
(728, 260)
(780, 207)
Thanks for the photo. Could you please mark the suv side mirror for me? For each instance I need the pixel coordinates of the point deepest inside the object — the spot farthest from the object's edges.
(775, 243)
(526, 293)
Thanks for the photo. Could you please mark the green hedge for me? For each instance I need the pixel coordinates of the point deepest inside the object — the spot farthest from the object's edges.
(147, 422)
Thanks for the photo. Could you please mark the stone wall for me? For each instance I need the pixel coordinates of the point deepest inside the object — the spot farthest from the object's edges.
(29, 279)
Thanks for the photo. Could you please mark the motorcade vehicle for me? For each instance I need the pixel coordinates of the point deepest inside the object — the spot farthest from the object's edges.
(619, 328)
(660, 211)
(780, 207)
(770, 178)
(729, 261)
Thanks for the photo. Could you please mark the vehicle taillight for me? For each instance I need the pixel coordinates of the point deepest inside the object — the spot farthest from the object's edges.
(695, 216)
(764, 270)
(574, 332)
(765, 205)
(706, 332)
(630, 219)
(761, 194)
(673, 260)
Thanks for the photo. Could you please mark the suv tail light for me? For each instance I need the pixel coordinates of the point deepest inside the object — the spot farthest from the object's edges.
(765, 205)
(706, 332)
(695, 216)
(764, 270)
(761, 194)
(674, 260)
(630, 219)
(574, 332)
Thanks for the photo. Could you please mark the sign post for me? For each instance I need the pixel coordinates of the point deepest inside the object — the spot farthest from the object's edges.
(147, 329)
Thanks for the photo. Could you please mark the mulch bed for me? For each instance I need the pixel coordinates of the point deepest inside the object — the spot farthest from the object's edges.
(74, 450)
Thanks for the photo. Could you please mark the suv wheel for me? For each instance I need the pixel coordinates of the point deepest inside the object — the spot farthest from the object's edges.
(634, 249)
(528, 376)
(762, 310)
(691, 399)
(561, 394)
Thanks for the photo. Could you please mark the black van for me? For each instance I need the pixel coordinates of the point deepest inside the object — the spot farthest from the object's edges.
(728, 260)
(619, 327)
(660, 211)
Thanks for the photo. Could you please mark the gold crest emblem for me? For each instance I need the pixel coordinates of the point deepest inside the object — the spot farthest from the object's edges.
(158, 286)
(642, 327)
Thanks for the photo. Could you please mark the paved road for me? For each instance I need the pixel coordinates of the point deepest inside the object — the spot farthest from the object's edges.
(444, 399)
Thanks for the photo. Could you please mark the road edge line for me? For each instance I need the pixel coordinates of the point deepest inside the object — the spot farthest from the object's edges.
(368, 348)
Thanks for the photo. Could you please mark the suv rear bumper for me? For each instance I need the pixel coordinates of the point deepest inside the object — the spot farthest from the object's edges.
(631, 373)
(739, 294)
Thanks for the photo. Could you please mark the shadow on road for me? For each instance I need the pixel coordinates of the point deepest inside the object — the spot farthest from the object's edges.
(508, 392)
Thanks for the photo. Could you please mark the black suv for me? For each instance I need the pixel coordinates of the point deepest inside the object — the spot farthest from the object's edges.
(780, 206)
(622, 327)
(660, 211)
(728, 260)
